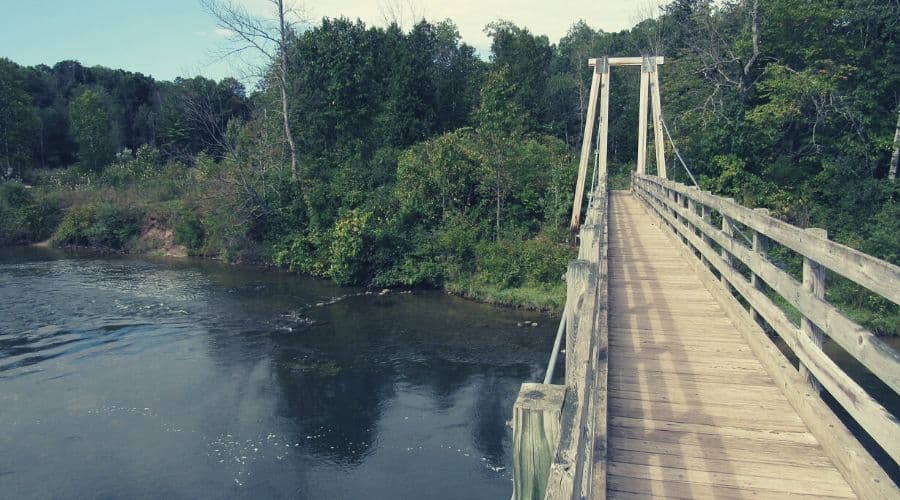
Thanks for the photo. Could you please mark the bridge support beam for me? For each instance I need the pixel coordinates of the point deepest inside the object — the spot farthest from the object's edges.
(586, 141)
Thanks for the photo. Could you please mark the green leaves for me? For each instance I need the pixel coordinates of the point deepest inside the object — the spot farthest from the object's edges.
(91, 128)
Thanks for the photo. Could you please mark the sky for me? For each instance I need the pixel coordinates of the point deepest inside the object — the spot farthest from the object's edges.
(170, 38)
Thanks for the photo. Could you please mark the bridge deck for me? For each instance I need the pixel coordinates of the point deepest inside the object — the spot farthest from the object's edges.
(692, 413)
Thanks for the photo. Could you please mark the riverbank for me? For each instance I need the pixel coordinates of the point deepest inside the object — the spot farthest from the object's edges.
(159, 242)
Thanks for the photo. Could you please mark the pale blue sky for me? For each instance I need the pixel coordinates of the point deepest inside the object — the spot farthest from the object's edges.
(169, 38)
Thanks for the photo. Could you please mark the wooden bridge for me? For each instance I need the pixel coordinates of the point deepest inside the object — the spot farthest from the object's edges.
(674, 386)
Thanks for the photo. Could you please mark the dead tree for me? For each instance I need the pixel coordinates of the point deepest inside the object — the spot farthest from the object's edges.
(269, 37)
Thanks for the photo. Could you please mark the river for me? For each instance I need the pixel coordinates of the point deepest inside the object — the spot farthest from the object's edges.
(127, 378)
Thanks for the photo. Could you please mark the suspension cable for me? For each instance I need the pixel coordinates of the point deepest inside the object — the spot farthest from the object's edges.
(690, 174)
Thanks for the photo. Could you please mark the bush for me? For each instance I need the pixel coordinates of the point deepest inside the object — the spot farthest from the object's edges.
(24, 217)
(189, 231)
(102, 225)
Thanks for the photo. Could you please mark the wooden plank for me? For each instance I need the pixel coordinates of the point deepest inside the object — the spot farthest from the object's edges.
(701, 401)
(740, 379)
(734, 415)
(706, 343)
(745, 482)
(628, 488)
(685, 360)
(535, 426)
(865, 476)
(801, 474)
(717, 447)
(766, 435)
(585, 155)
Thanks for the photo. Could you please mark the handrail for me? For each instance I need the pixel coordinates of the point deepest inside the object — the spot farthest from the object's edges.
(582, 423)
(551, 365)
(558, 430)
(687, 212)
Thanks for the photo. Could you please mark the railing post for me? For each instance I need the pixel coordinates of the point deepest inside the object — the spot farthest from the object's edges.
(692, 208)
(728, 230)
(813, 283)
(706, 214)
(760, 246)
(578, 282)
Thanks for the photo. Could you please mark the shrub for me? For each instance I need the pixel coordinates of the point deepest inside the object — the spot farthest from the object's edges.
(102, 225)
(24, 217)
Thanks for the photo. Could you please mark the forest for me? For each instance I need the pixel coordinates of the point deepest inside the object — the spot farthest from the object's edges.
(389, 157)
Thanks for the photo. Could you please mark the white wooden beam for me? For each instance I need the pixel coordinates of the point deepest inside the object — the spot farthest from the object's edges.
(585, 155)
(627, 61)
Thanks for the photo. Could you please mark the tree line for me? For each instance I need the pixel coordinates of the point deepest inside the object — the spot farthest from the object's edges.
(410, 160)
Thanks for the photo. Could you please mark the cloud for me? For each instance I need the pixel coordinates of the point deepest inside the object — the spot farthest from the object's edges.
(201, 34)
(224, 32)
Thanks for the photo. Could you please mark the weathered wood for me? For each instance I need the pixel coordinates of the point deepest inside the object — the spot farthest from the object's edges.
(870, 414)
(728, 231)
(585, 155)
(627, 61)
(760, 246)
(857, 466)
(657, 124)
(535, 424)
(706, 215)
(642, 121)
(657, 375)
(567, 469)
(579, 464)
(813, 284)
(604, 117)
(881, 359)
(875, 274)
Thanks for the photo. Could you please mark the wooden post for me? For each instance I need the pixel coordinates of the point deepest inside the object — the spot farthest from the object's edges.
(692, 207)
(760, 245)
(580, 279)
(642, 119)
(657, 124)
(535, 424)
(585, 155)
(728, 229)
(707, 218)
(604, 114)
(813, 283)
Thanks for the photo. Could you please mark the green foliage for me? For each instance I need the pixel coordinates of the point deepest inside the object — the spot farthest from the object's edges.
(24, 218)
(101, 225)
(422, 165)
(189, 231)
(17, 121)
(90, 128)
(348, 241)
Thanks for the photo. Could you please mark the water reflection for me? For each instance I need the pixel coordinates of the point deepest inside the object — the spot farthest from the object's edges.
(126, 377)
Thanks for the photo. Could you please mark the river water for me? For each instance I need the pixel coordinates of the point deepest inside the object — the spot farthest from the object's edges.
(129, 378)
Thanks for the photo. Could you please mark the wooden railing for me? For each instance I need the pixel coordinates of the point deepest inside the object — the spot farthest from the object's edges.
(559, 431)
(745, 272)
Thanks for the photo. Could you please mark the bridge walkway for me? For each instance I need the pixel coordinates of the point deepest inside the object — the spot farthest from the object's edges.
(692, 413)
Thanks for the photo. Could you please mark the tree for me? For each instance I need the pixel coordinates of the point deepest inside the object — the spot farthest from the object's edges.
(269, 37)
(17, 120)
(91, 129)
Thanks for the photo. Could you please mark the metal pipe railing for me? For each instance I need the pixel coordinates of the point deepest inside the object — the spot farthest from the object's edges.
(551, 366)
